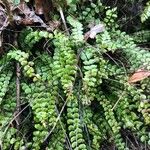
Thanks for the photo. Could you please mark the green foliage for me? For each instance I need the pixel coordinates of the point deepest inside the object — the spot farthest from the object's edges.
(33, 37)
(110, 19)
(137, 57)
(96, 131)
(77, 31)
(74, 125)
(75, 93)
(141, 36)
(146, 13)
(22, 57)
(5, 77)
(115, 127)
(92, 73)
(65, 61)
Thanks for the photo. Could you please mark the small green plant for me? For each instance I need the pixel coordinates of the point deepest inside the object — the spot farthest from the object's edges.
(75, 94)
(146, 13)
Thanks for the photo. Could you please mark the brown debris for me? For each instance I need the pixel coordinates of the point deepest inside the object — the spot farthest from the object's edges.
(139, 75)
(94, 31)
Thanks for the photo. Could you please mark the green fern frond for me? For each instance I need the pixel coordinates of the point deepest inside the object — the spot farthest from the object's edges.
(141, 36)
(77, 31)
(146, 13)
(74, 124)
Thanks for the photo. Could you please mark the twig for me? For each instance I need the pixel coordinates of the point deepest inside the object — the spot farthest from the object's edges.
(18, 92)
(118, 101)
(63, 20)
(13, 119)
(17, 87)
(57, 119)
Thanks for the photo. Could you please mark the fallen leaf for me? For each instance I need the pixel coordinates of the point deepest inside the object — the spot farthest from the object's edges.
(139, 75)
(3, 18)
(94, 31)
(43, 7)
(4, 21)
(26, 16)
(27, 21)
(54, 24)
(39, 7)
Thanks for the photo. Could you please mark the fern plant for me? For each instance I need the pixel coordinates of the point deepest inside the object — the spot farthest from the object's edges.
(75, 93)
(146, 13)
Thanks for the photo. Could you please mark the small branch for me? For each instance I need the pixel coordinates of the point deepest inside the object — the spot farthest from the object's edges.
(118, 101)
(14, 119)
(55, 123)
(63, 20)
(18, 91)
(17, 87)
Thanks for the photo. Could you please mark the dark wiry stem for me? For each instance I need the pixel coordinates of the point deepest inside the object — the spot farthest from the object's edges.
(18, 93)
(17, 87)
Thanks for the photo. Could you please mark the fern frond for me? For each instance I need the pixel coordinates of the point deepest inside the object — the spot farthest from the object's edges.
(146, 13)
(74, 124)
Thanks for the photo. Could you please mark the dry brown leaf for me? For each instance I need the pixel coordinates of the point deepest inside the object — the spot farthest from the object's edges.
(94, 31)
(26, 16)
(139, 75)
(27, 21)
(43, 7)
(54, 24)
(39, 7)
(4, 21)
